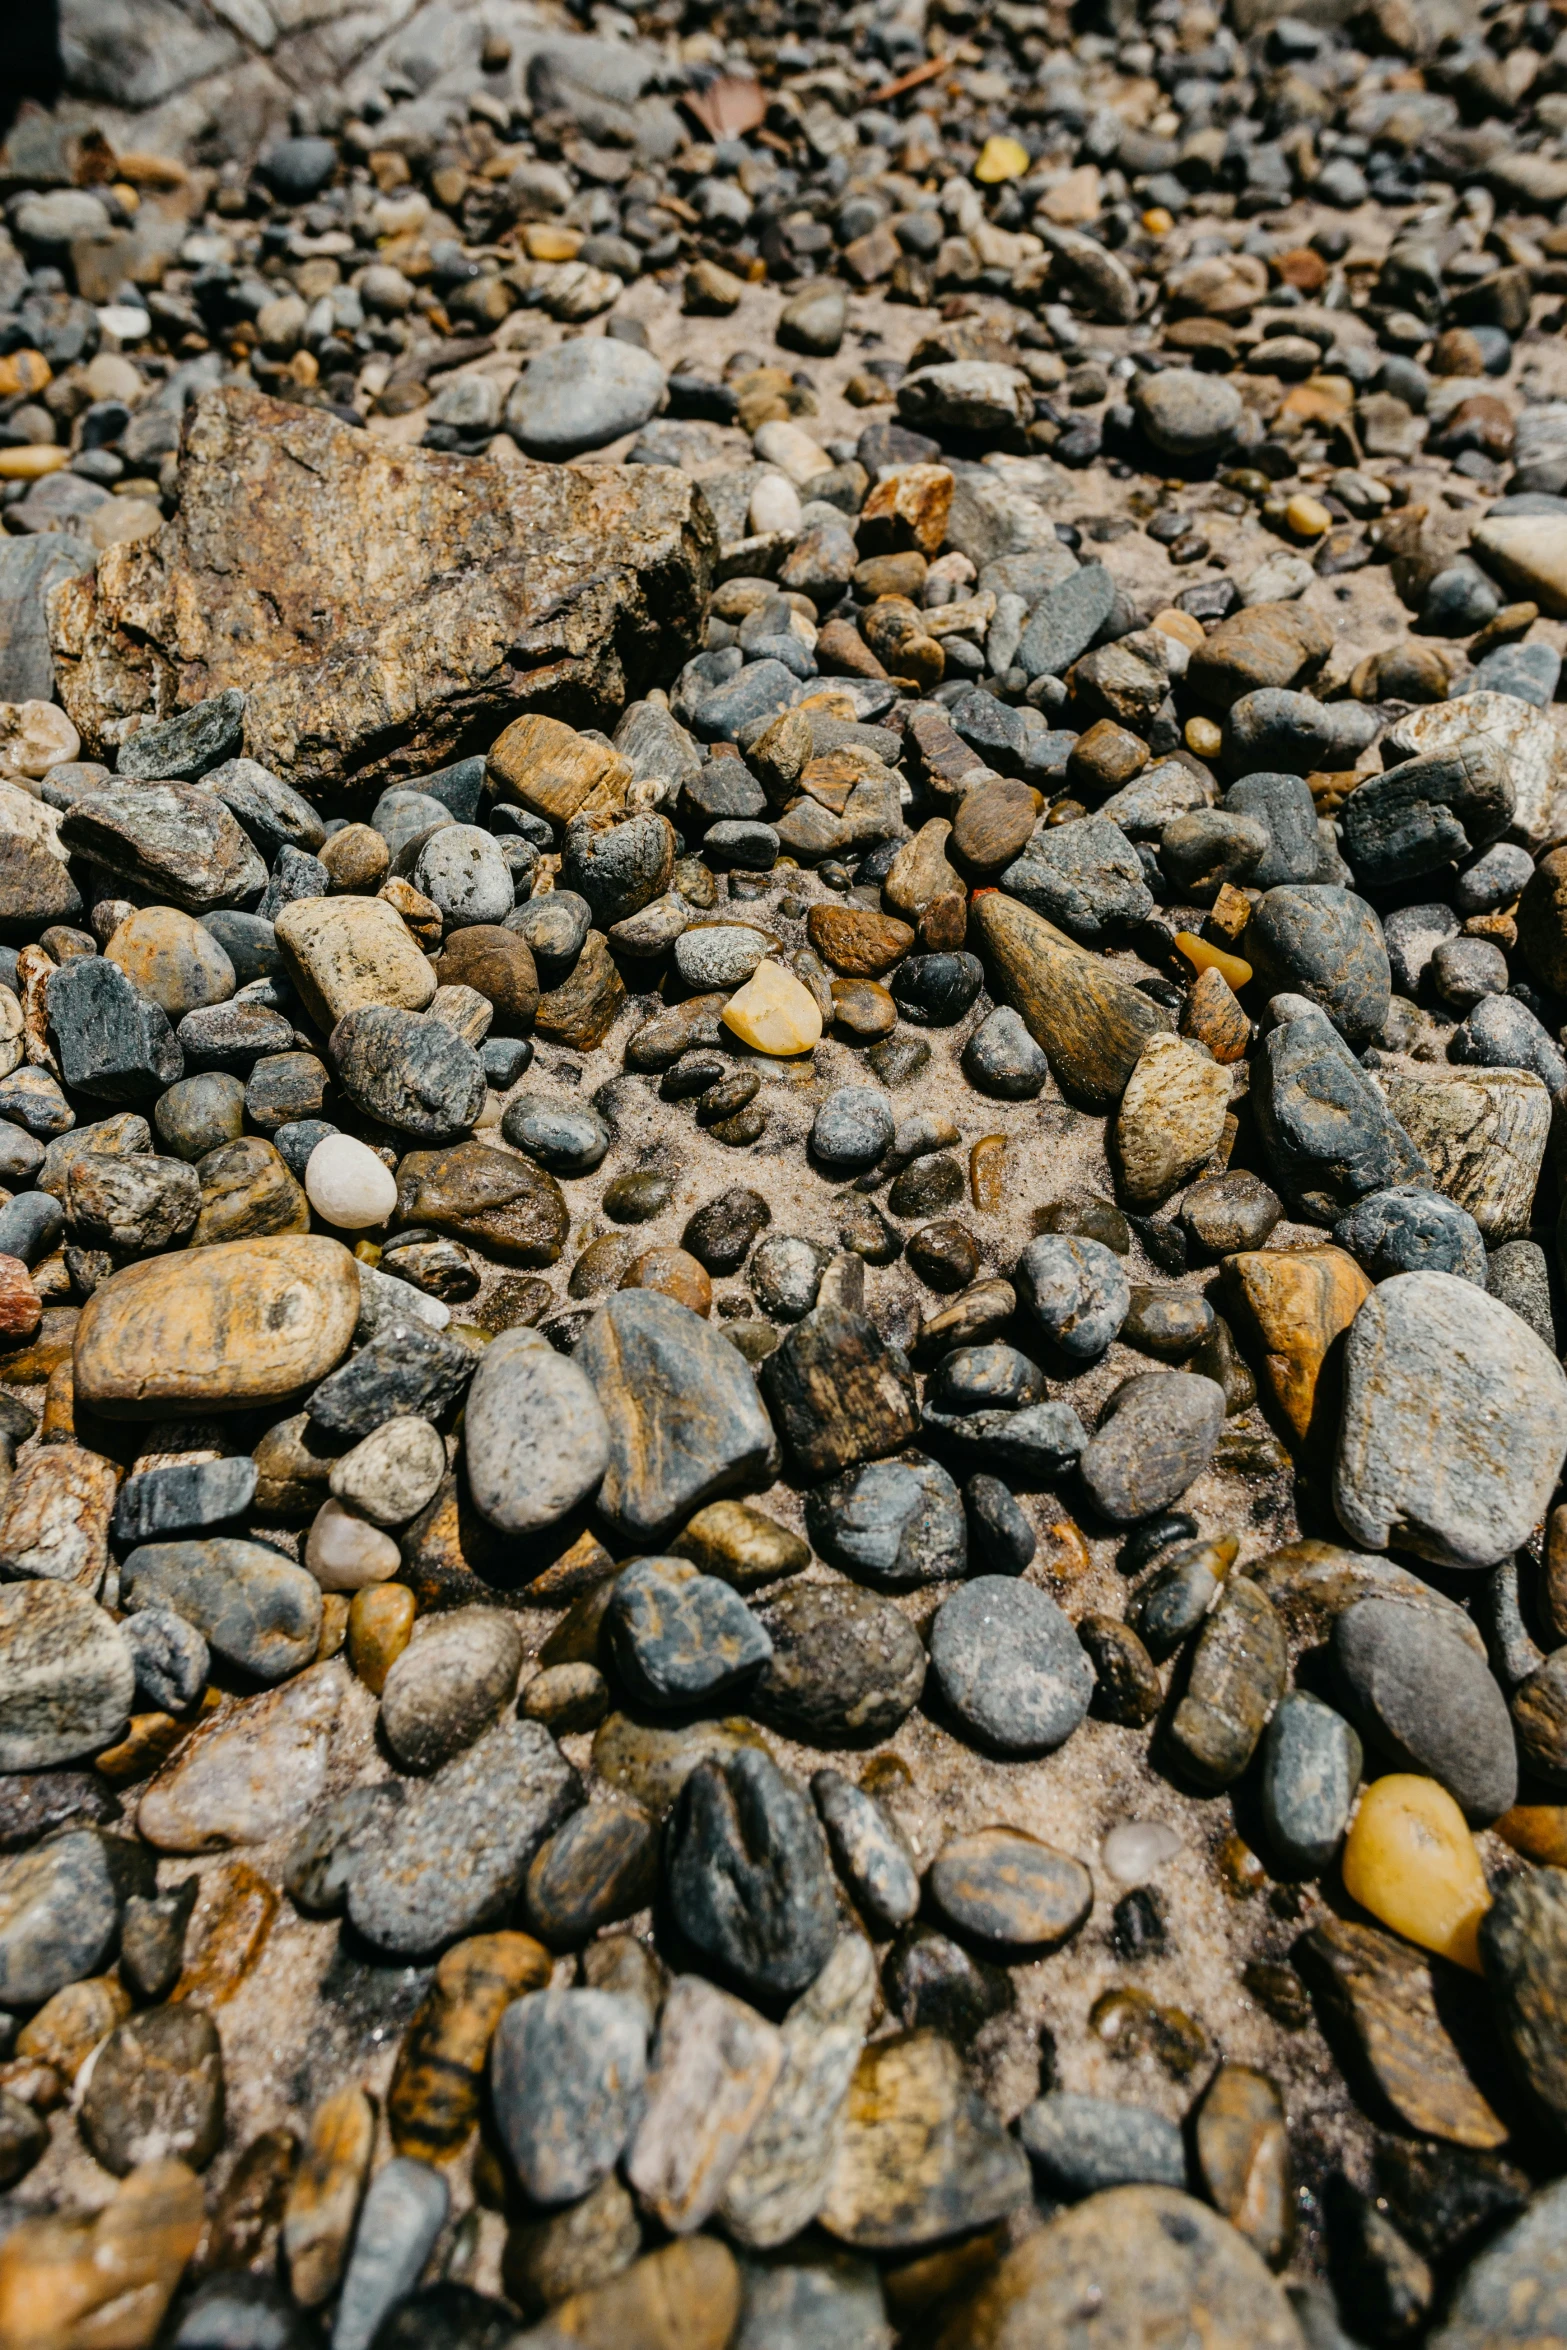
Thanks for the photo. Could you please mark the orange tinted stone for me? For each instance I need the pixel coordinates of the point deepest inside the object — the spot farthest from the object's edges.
(674, 1272)
(1203, 955)
(380, 1626)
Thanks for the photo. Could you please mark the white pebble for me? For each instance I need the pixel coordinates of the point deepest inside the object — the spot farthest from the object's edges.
(345, 1552)
(775, 505)
(1138, 1849)
(348, 1185)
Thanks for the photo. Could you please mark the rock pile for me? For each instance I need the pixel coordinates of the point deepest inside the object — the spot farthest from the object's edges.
(783, 1040)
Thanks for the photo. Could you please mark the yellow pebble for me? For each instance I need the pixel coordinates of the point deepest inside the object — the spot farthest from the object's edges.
(32, 461)
(1204, 957)
(1204, 738)
(1180, 625)
(1001, 159)
(774, 1012)
(1157, 221)
(380, 1626)
(1411, 1861)
(1307, 517)
(546, 242)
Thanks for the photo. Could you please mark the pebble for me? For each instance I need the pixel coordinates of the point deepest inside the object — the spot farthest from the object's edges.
(845, 1669)
(156, 2092)
(1083, 2145)
(954, 2169)
(404, 2211)
(1411, 1862)
(785, 2167)
(1009, 1667)
(714, 2065)
(1236, 1679)
(248, 1773)
(1428, 1702)
(1156, 1437)
(641, 1353)
(567, 2073)
(1005, 1889)
(898, 1523)
(1311, 1764)
(870, 1854)
(1076, 1291)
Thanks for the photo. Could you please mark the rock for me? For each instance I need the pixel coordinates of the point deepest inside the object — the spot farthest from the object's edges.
(449, 1684)
(1066, 620)
(782, 2175)
(748, 1878)
(1007, 1890)
(898, 1524)
(870, 1854)
(714, 2067)
(1512, 2287)
(110, 1042)
(1325, 944)
(1430, 1362)
(248, 1322)
(684, 1418)
(1299, 1303)
(567, 2071)
(1409, 1229)
(1411, 1862)
(1083, 2145)
(403, 1367)
(1009, 1667)
(1171, 1116)
(840, 1394)
(67, 1678)
(413, 1074)
(1086, 878)
(1149, 2259)
(1002, 1059)
(345, 953)
(60, 1909)
(250, 1604)
(156, 2092)
(167, 838)
(498, 1200)
(1330, 1134)
(404, 2212)
(679, 1636)
(1427, 813)
(1237, 1677)
(326, 2192)
(1157, 1435)
(581, 396)
(254, 1771)
(1092, 1025)
(54, 1524)
(1524, 737)
(1382, 1991)
(171, 1657)
(399, 543)
(129, 2257)
(1483, 1135)
(845, 1669)
(1422, 1697)
(1310, 1774)
(602, 1865)
(453, 1857)
(922, 2155)
(1076, 1291)
(536, 1438)
(171, 960)
(1186, 414)
(852, 1128)
(1528, 553)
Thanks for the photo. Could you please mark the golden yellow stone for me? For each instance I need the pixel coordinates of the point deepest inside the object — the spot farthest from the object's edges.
(68, 2027)
(228, 1934)
(1299, 1303)
(1538, 1831)
(328, 2187)
(432, 2106)
(1410, 1860)
(1185, 630)
(774, 1012)
(72, 2281)
(380, 1626)
(1157, 221)
(546, 242)
(32, 461)
(1307, 517)
(1001, 159)
(1203, 738)
(1203, 956)
(987, 1164)
(24, 371)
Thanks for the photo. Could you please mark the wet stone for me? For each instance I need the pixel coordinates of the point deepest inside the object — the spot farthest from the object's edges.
(1009, 1666)
(749, 1882)
(1127, 1684)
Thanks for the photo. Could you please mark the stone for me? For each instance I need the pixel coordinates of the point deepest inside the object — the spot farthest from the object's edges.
(121, 2266)
(684, 1418)
(1383, 1992)
(449, 1684)
(600, 1867)
(1002, 1059)
(1008, 1891)
(348, 1186)
(403, 2213)
(567, 2073)
(1083, 2145)
(1150, 2258)
(495, 1198)
(411, 1073)
(845, 1669)
(714, 2066)
(111, 1043)
(897, 1523)
(1323, 943)
(1184, 413)
(250, 1604)
(180, 844)
(1523, 736)
(1009, 1667)
(1423, 1698)
(1329, 1131)
(1085, 877)
(172, 1659)
(1092, 1025)
(1514, 2286)
(146, 1204)
(581, 396)
(404, 1367)
(852, 1128)
(748, 1877)
(678, 1636)
(1157, 1435)
(1242, 2149)
(247, 1322)
(536, 1438)
(54, 1523)
(60, 1910)
(1427, 813)
(453, 1858)
(1411, 1862)
(871, 1855)
(1299, 1303)
(922, 2155)
(1076, 1291)
(1429, 1363)
(1171, 1117)
(67, 1677)
(249, 1773)
(1237, 1677)
(1409, 1229)
(840, 1394)
(346, 953)
(1483, 1136)
(171, 960)
(247, 1192)
(325, 2194)
(774, 1013)
(1310, 1773)
(411, 555)
(157, 2092)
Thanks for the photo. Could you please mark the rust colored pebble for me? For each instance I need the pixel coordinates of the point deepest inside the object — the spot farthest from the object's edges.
(21, 1308)
(857, 941)
(432, 2106)
(675, 1274)
(987, 1162)
(380, 1626)
(1213, 1016)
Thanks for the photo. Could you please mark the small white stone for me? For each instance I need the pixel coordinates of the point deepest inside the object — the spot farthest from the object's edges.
(345, 1552)
(1138, 1849)
(348, 1185)
(775, 505)
(125, 321)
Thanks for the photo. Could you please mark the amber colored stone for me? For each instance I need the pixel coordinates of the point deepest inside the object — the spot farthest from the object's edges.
(1384, 1992)
(30, 1364)
(21, 1308)
(432, 2106)
(72, 2282)
(987, 1169)
(380, 1626)
(356, 859)
(1092, 1023)
(994, 823)
(227, 1934)
(1411, 1861)
(420, 915)
(1105, 756)
(334, 1625)
(1130, 2024)
(1060, 1549)
(1213, 1017)
(857, 941)
(841, 651)
(549, 768)
(1299, 1303)
(863, 1009)
(1538, 1831)
(328, 2188)
(1242, 2147)
(1225, 922)
(581, 1011)
(58, 1424)
(674, 1272)
(1203, 955)
(684, 2297)
(907, 511)
(920, 873)
(34, 2083)
(943, 924)
(68, 2027)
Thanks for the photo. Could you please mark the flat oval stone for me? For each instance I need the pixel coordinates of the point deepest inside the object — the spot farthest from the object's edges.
(67, 1676)
(566, 2078)
(250, 1604)
(450, 1682)
(567, 1137)
(1158, 1433)
(679, 1636)
(1454, 1423)
(1009, 1891)
(1009, 1666)
(495, 1198)
(1082, 2145)
(247, 1322)
(601, 1866)
(1237, 1677)
(846, 1667)
(535, 1435)
(1424, 1698)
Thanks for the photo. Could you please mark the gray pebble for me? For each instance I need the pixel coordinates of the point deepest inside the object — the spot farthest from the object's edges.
(1311, 1762)
(896, 1523)
(1157, 1434)
(1084, 2145)
(1423, 1698)
(1009, 1666)
(566, 2079)
(1076, 1291)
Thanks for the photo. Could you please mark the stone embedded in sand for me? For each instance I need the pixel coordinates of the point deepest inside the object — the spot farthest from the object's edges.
(247, 1322)
(1091, 1023)
(344, 953)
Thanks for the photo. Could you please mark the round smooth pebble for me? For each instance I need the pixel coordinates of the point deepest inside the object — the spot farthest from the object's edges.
(348, 1185)
(1009, 1666)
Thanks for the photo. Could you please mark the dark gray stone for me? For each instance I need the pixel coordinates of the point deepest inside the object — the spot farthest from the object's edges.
(1410, 1229)
(1523, 1944)
(1009, 1666)
(1066, 620)
(1502, 1033)
(270, 811)
(1311, 1761)
(60, 1909)
(1427, 813)
(414, 1074)
(1003, 1538)
(1284, 806)
(567, 1137)
(1324, 943)
(748, 1877)
(869, 1853)
(156, 2091)
(404, 1368)
(1086, 878)
(680, 1637)
(1329, 1134)
(1422, 1697)
(853, 1127)
(1076, 1290)
(1513, 2294)
(1158, 1433)
(30, 1226)
(985, 1378)
(111, 1043)
(721, 1233)
(171, 1657)
(1277, 730)
(685, 1420)
(1002, 1059)
(898, 1524)
(846, 1667)
(183, 748)
(253, 1606)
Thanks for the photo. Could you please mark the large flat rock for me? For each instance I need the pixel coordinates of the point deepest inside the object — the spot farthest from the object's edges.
(385, 609)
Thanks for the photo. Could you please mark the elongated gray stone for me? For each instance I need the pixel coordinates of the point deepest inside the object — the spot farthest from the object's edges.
(535, 1435)
(685, 1420)
(781, 2179)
